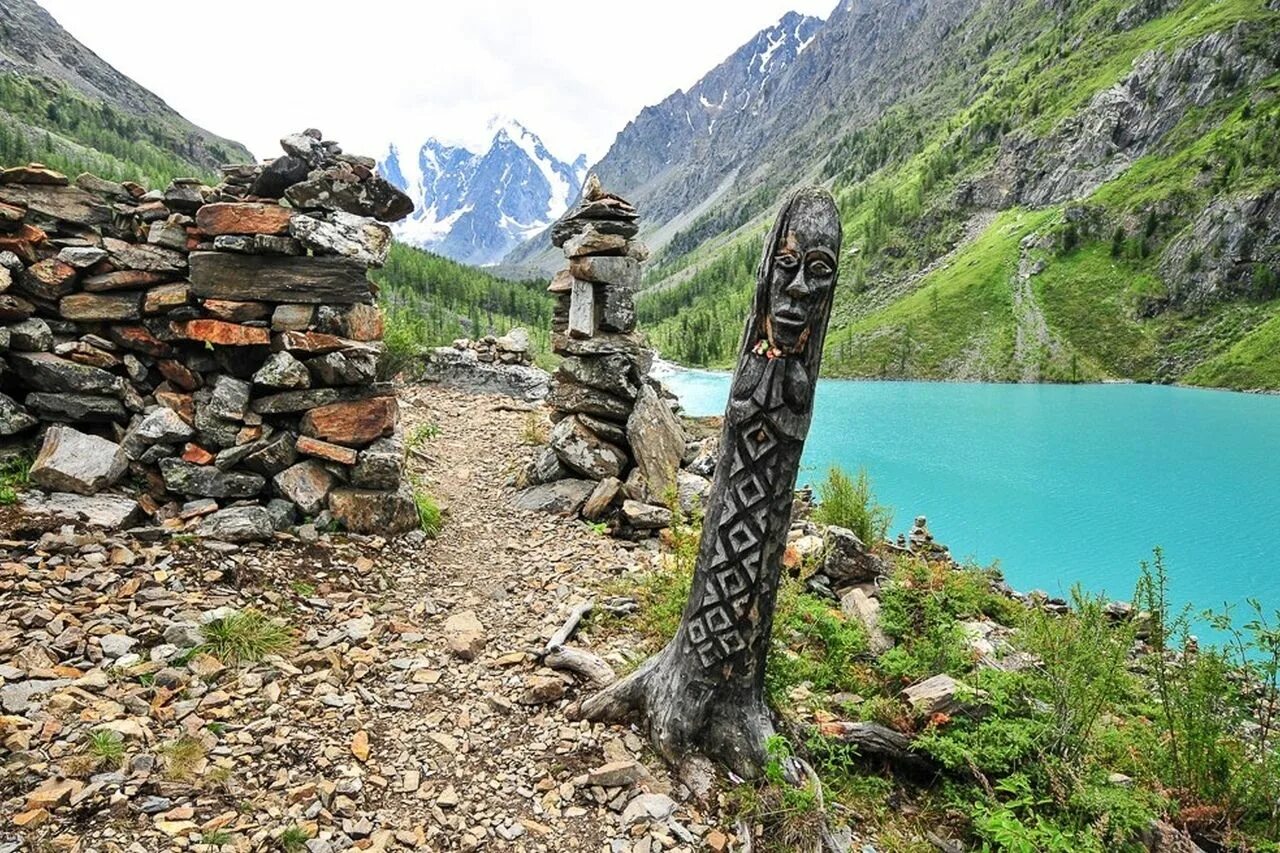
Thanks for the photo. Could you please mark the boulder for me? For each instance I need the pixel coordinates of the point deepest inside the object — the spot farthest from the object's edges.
(385, 512)
(380, 465)
(563, 497)
(309, 446)
(860, 607)
(692, 491)
(642, 516)
(229, 399)
(355, 423)
(583, 451)
(601, 498)
(110, 512)
(237, 524)
(656, 438)
(375, 197)
(569, 395)
(278, 175)
(614, 374)
(847, 560)
(13, 418)
(145, 257)
(72, 461)
(163, 425)
(101, 307)
(349, 367)
(544, 467)
(76, 407)
(614, 271)
(47, 372)
(344, 234)
(282, 370)
(942, 694)
(31, 335)
(243, 218)
(186, 478)
(307, 484)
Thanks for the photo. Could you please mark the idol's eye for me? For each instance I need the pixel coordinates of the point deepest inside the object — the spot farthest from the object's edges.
(819, 268)
(787, 262)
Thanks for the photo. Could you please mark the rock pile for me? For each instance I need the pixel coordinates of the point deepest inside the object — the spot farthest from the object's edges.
(491, 365)
(215, 343)
(616, 446)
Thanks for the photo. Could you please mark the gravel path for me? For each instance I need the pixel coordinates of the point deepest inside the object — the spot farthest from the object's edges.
(374, 731)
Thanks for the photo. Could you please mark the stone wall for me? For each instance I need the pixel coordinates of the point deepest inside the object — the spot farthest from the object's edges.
(198, 347)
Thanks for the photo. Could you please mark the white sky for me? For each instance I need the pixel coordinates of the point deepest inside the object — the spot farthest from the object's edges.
(368, 73)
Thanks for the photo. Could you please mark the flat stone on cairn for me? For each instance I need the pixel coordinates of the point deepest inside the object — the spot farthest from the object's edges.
(613, 424)
(210, 341)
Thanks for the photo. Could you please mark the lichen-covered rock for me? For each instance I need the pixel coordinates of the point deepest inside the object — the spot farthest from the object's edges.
(282, 371)
(186, 478)
(388, 512)
(583, 451)
(72, 461)
(238, 524)
(563, 497)
(656, 438)
(343, 234)
(306, 484)
(380, 465)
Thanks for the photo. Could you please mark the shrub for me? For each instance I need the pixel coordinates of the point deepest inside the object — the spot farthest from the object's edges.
(852, 504)
(245, 637)
(14, 476)
(106, 747)
(1081, 672)
(430, 519)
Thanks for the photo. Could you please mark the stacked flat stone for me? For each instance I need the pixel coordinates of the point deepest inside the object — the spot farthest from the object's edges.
(217, 343)
(615, 445)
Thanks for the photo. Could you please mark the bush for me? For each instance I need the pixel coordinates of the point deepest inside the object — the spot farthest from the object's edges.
(430, 519)
(852, 504)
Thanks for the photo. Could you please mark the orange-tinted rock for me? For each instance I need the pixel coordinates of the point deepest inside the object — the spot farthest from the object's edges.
(49, 280)
(310, 343)
(183, 404)
(165, 297)
(125, 280)
(363, 323)
(248, 218)
(355, 423)
(224, 334)
(35, 173)
(101, 307)
(248, 434)
(138, 339)
(179, 375)
(236, 312)
(23, 242)
(325, 450)
(197, 455)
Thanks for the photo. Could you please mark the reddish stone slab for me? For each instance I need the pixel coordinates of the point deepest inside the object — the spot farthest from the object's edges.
(325, 450)
(243, 218)
(355, 423)
(222, 333)
(234, 311)
(125, 280)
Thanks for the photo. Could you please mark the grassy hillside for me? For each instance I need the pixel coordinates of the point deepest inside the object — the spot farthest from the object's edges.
(431, 301)
(949, 274)
(51, 123)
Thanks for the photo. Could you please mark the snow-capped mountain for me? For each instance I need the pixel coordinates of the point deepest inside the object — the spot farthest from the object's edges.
(475, 207)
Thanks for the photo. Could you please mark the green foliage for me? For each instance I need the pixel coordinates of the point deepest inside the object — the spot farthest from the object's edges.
(15, 475)
(430, 301)
(421, 434)
(106, 747)
(850, 503)
(294, 839)
(1081, 673)
(430, 519)
(814, 644)
(182, 758)
(49, 122)
(245, 636)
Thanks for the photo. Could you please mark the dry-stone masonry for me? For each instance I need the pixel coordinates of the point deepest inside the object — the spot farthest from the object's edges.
(616, 446)
(199, 346)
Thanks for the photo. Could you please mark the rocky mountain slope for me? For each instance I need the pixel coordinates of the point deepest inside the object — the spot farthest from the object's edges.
(1030, 190)
(63, 105)
(475, 207)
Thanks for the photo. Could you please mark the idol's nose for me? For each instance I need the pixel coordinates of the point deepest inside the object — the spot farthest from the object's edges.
(798, 288)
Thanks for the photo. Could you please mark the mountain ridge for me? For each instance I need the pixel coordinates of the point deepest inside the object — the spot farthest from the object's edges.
(474, 207)
(63, 103)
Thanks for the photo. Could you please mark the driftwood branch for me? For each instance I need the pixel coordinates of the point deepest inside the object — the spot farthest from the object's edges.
(872, 739)
(560, 637)
(589, 666)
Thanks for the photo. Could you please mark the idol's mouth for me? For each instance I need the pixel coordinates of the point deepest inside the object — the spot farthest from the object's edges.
(790, 319)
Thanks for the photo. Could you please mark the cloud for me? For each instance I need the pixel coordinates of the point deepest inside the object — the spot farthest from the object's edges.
(572, 71)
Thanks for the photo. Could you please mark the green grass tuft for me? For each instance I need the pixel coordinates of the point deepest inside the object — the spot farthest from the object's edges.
(245, 637)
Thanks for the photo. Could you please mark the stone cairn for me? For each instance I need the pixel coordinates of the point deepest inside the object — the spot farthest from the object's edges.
(218, 344)
(616, 446)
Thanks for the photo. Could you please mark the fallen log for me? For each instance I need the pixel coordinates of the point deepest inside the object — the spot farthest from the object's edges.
(589, 666)
(560, 637)
(873, 739)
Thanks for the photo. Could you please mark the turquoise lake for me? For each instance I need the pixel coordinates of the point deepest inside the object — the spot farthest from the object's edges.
(1062, 484)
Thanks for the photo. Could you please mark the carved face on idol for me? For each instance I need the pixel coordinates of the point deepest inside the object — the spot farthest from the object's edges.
(802, 272)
